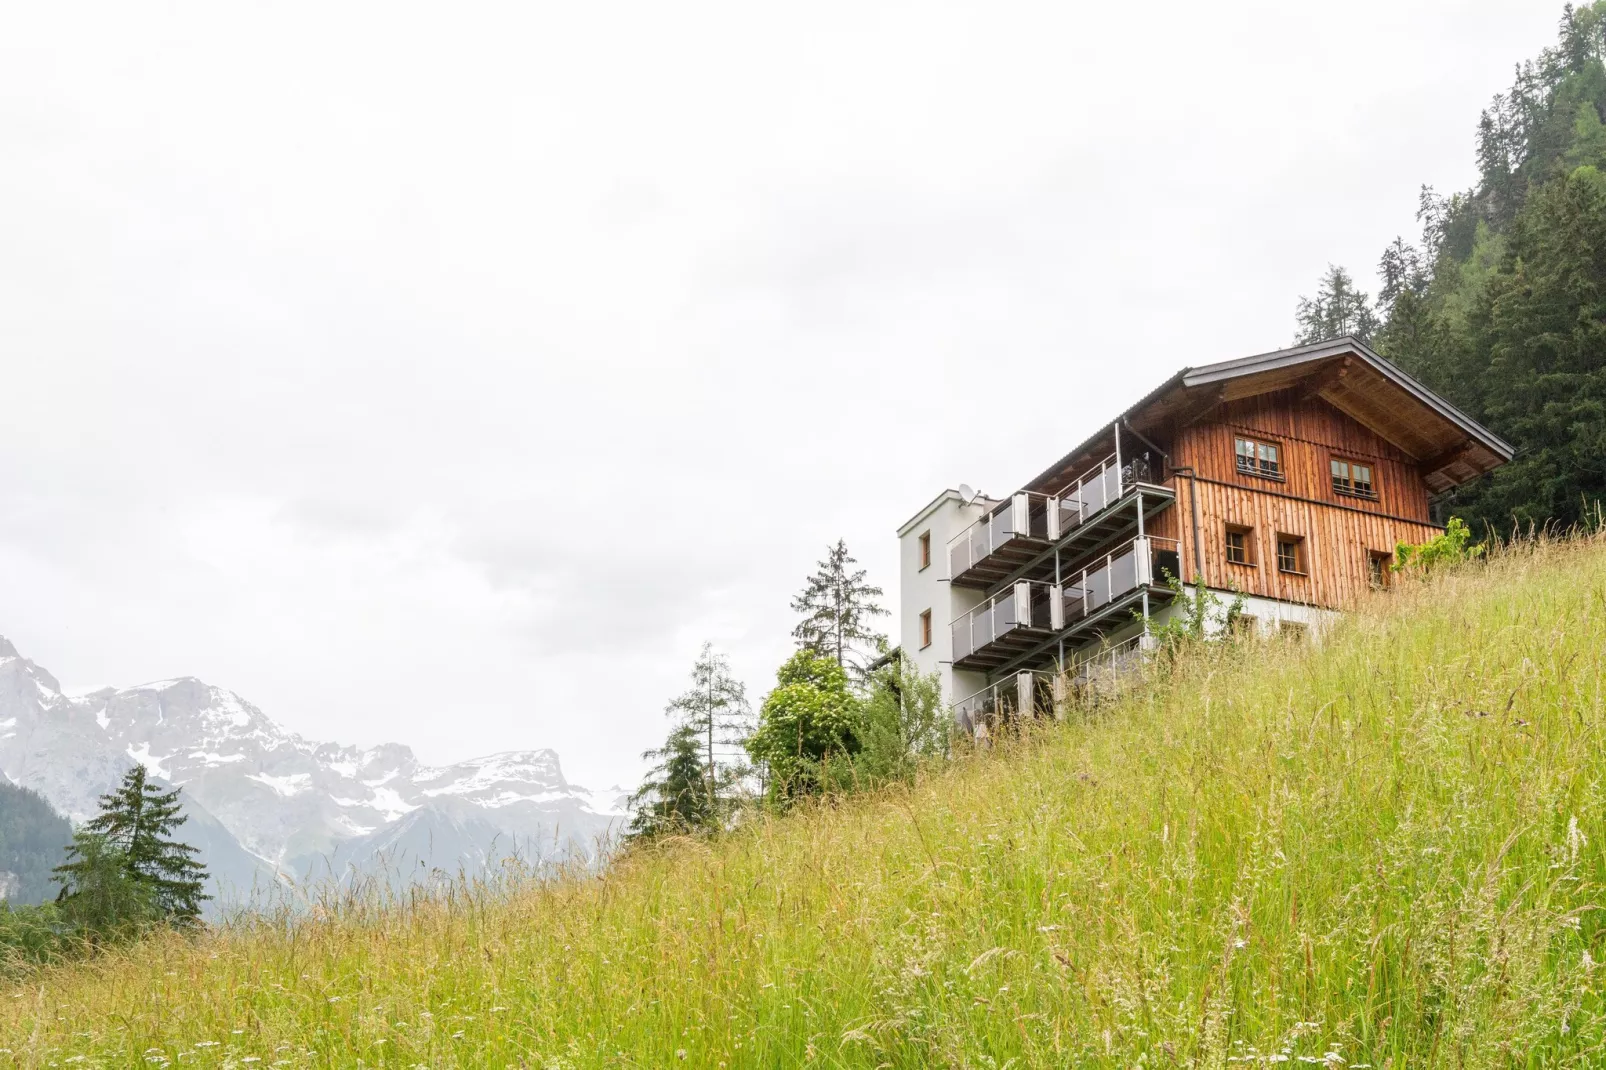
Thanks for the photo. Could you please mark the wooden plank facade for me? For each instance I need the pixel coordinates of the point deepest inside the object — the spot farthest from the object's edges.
(1311, 406)
(1343, 541)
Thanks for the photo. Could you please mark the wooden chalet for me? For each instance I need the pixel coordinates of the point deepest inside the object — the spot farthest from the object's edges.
(1290, 477)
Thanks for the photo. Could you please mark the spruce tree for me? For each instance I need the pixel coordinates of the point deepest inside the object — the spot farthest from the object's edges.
(1501, 310)
(839, 609)
(136, 822)
(674, 797)
(1338, 309)
(99, 898)
(715, 708)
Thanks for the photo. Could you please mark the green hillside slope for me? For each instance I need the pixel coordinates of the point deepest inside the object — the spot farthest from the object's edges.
(1385, 850)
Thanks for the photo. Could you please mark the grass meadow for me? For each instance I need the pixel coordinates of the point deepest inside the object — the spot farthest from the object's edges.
(1384, 849)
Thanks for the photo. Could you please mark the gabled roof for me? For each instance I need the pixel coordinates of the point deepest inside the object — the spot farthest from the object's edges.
(1451, 447)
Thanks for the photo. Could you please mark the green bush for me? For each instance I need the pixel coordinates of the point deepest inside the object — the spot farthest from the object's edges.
(1450, 548)
(809, 718)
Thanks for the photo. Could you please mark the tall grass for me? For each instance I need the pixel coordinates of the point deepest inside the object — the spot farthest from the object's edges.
(1384, 849)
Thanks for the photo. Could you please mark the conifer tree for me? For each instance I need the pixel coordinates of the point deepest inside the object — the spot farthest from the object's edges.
(1338, 309)
(715, 708)
(1501, 311)
(136, 822)
(839, 609)
(100, 899)
(674, 797)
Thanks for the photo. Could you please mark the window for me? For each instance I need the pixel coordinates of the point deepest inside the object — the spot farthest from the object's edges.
(1245, 626)
(1240, 546)
(1354, 478)
(1379, 567)
(1291, 554)
(1291, 630)
(925, 629)
(925, 550)
(1256, 458)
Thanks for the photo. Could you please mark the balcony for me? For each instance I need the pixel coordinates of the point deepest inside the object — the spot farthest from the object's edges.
(1097, 672)
(1026, 616)
(1023, 529)
(1022, 694)
(1143, 562)
(1014, 619)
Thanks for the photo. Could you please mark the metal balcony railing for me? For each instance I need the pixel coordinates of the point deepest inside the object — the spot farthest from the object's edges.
(1017, 695)
(1144, 561)
(1098, 674)
(1023, 515)
(1028, 607)
(1028, 521)
(1020, 606)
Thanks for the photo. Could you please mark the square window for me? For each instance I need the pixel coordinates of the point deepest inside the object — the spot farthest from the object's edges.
(925, 629)
(1353, 478)
(1269, 465)
(925, 550)
(1292, 630)
(1258, 458)
(1238, 546)
(1379, 567)
(1290, 554)
(1246, 455)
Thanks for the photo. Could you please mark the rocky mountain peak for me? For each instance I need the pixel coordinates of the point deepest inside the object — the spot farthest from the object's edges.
(282, 802)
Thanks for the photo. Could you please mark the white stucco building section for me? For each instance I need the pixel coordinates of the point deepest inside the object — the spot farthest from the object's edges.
(923, 587)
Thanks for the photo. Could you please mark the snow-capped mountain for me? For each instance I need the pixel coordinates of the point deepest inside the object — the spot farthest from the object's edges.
(267, 802)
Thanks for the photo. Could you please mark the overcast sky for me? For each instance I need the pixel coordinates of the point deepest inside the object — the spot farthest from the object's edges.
(448, 373)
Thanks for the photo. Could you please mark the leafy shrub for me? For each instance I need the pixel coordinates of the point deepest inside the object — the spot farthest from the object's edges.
(809, 717)
(902, 723)
(1450, 548)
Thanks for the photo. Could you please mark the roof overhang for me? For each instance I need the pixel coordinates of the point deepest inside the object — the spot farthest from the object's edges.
(1450, 447)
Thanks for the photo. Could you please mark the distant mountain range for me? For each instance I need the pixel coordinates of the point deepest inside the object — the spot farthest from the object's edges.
(268, 807)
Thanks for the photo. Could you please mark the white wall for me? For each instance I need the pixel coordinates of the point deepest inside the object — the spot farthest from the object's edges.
(921, 589)
(928, 589)
(1268, 613)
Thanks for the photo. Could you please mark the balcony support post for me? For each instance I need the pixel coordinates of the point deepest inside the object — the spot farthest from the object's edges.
(1059, 598)
(1117, 426)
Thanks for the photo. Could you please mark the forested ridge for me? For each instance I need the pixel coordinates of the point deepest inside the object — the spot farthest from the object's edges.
(32, 838)
(1500, 304)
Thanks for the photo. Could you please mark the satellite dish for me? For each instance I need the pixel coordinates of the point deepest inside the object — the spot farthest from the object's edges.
(966, 495)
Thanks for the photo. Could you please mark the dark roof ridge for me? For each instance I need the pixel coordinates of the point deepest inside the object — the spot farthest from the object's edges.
(1329, 347)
